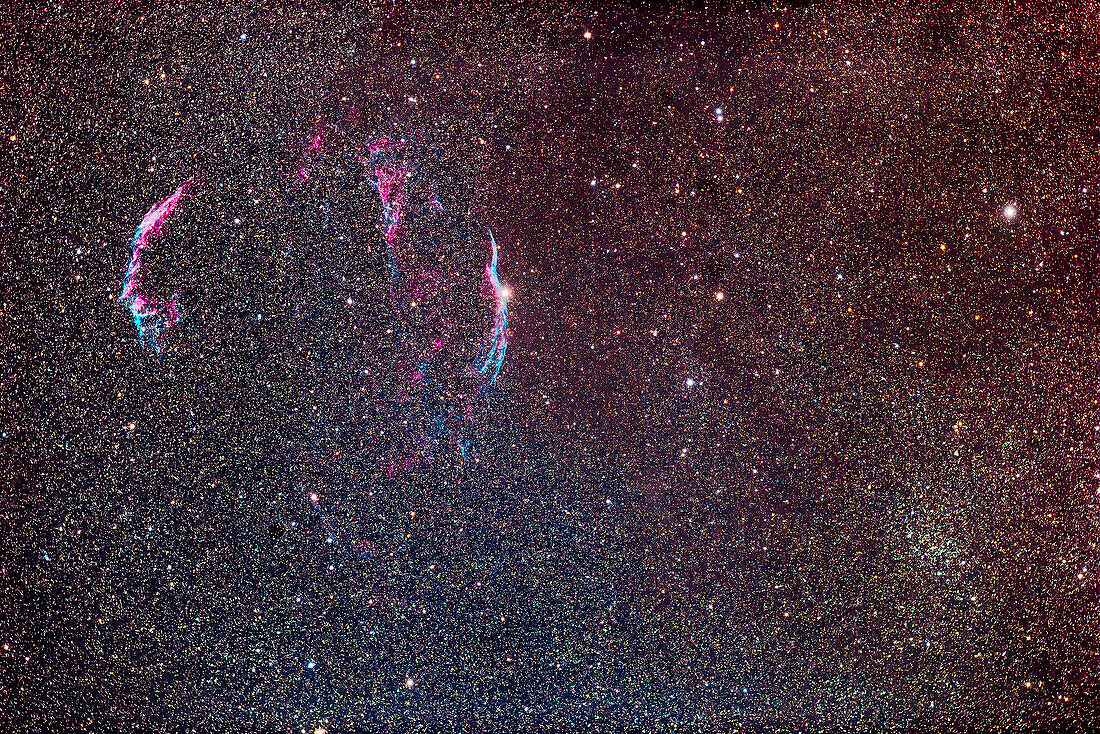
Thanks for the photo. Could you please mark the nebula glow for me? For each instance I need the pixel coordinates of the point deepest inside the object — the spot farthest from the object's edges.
(498, 335)
(151, 316)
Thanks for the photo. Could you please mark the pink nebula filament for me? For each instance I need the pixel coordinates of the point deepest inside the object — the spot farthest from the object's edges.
(151, 316)
(498, 335)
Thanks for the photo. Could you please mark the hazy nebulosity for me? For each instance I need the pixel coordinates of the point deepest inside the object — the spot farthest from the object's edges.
(795, 428)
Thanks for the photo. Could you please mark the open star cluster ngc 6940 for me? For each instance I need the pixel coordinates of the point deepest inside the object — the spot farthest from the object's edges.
(566, 366)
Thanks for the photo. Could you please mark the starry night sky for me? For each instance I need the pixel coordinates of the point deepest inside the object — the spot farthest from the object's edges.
(797, 428)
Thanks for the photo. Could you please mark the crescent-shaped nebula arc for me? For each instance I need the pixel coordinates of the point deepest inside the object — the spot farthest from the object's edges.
(151, 316)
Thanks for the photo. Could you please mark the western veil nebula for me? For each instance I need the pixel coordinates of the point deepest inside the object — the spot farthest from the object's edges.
(423, 283)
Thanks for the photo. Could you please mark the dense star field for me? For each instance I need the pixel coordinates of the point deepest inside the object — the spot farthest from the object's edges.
(565, 367)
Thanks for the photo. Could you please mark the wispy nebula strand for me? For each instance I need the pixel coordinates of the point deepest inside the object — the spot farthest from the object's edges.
(151, 316)
(498, 335)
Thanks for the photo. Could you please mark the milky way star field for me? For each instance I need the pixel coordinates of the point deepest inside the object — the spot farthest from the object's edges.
(559, 367)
